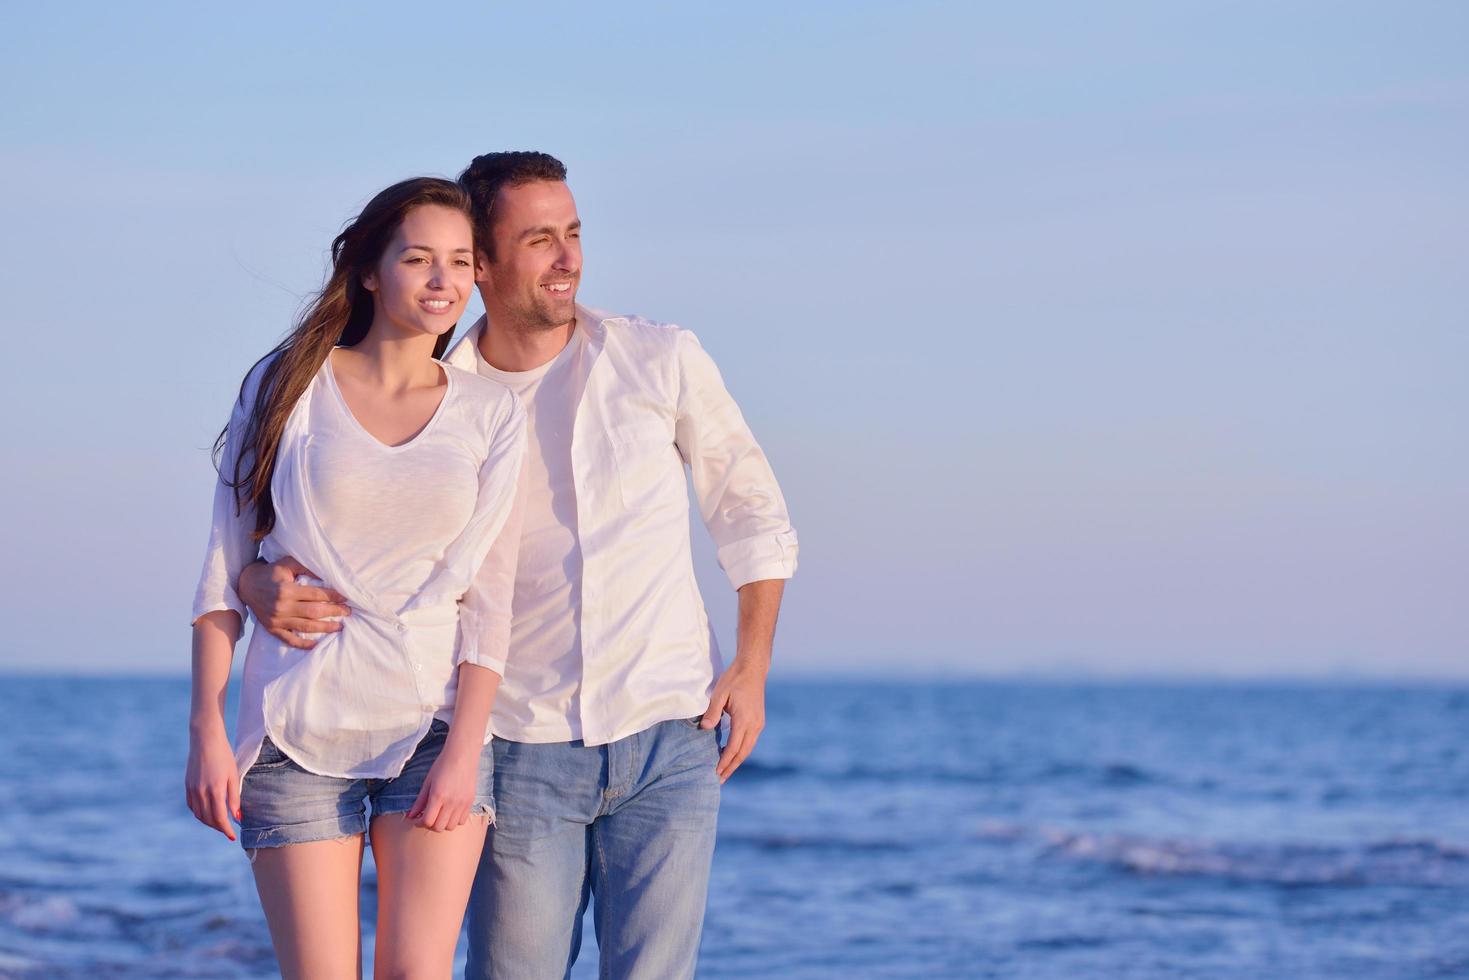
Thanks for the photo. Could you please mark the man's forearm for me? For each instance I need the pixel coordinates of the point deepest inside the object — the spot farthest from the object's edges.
(253, 580)
(284, 609)
(740, 691)
(759, 608)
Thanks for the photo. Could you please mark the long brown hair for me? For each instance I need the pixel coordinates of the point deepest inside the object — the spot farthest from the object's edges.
(339, 315)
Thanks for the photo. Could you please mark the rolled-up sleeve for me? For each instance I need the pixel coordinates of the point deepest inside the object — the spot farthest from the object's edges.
(232, 543)
(484, 610)
(739, 499)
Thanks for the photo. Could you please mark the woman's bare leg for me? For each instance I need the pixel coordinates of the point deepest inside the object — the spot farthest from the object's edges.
(423, 881)
(309, 892)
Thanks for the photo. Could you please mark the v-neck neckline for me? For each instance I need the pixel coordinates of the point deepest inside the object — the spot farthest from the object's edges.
(341, 400)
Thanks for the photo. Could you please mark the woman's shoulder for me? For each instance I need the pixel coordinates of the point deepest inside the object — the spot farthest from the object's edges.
(483, 397)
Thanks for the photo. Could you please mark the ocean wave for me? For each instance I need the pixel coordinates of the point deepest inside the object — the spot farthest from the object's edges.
(38, 913)
(804, 842)
(1106, 774)
(754, 769)
(1408, 862)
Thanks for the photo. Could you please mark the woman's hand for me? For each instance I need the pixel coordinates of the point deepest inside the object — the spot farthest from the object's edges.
(212, 781)
(448, 792)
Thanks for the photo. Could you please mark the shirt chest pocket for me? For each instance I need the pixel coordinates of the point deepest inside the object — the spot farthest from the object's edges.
(649, 468)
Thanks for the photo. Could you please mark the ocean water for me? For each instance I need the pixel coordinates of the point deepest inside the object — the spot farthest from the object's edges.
(956, 829)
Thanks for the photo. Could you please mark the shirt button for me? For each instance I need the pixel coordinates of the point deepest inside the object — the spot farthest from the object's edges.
(402, 628)
(418, 666)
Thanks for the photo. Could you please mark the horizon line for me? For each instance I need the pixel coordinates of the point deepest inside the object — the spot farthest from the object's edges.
(859, 675)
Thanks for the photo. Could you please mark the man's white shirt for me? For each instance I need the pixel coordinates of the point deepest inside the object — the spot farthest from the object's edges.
(618, 640)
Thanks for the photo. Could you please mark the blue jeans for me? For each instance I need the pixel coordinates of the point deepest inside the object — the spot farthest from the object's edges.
(631, 823)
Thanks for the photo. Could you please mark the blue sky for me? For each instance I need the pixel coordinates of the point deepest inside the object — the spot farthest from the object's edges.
(1085, 340)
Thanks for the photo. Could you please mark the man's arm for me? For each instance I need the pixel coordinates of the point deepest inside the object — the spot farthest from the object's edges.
(740, 690)
(742, 506)
(286, 609)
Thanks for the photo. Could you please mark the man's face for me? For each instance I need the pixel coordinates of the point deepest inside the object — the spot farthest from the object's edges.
(532, 274)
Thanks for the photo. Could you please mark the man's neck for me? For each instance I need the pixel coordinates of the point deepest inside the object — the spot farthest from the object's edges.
(506, 347)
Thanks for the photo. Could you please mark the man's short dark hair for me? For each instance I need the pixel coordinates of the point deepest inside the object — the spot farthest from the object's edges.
(489, 172)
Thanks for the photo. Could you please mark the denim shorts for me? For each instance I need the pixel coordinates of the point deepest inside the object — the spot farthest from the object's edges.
(282, 803)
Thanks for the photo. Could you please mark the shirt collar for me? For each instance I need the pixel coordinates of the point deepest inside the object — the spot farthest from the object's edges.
(595, 322)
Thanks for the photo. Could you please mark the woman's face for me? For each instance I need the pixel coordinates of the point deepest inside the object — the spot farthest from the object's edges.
(426, 273)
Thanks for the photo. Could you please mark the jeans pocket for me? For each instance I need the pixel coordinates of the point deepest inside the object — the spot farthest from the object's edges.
(270, 756)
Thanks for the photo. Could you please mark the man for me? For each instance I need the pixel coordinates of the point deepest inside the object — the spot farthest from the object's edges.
(607, 761)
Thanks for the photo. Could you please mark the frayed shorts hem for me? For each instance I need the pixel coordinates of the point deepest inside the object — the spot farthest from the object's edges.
(327, 828)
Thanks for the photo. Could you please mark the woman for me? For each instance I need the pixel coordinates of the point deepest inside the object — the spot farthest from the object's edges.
(391, 476)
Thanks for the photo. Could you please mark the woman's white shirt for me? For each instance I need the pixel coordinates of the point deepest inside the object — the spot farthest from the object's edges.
(411, 535)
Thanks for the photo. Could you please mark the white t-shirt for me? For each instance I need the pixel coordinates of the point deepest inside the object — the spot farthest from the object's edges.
(545, 633)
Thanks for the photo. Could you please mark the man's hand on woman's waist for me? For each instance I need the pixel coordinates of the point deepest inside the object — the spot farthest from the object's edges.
(286, 609)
